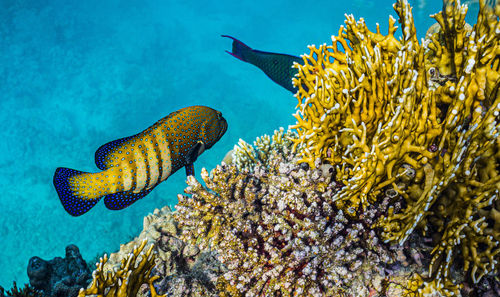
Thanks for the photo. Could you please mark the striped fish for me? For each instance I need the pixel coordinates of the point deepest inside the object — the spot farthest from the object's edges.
(133, 166)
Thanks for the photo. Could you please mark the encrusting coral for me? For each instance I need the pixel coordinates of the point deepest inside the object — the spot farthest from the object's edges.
(419, 118)
(279, 234)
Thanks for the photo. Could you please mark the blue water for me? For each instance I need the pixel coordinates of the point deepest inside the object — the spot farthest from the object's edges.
(77, 74)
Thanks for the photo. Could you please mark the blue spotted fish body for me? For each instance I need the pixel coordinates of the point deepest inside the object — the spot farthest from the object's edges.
(133, 166)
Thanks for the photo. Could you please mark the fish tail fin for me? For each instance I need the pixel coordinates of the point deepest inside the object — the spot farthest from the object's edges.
(239, 50)
(65, 180)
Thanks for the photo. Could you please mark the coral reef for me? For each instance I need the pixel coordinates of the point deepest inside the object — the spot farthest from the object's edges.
(60, 276)
(246, 156)
(279, 233)
(173, 268)
(27, 291)
(421, 119)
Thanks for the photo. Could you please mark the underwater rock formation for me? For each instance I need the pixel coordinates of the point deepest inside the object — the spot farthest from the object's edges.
(59, 277)
(421, 119)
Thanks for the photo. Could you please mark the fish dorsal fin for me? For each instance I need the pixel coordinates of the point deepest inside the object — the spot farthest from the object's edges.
(123, 200)
(109, 151)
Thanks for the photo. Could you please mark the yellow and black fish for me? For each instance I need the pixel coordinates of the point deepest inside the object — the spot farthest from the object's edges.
(133, 166)
(277, 67)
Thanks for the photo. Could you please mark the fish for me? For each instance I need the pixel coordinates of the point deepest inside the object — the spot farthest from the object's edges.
(132, 166)
(278, 67)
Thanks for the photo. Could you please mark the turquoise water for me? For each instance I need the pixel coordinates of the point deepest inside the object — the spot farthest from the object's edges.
(77, 74)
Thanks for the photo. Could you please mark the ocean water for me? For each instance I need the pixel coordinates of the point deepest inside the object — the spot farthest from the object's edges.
(77, 74)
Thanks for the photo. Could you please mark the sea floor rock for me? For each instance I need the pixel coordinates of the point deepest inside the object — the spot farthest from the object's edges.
(60, 277)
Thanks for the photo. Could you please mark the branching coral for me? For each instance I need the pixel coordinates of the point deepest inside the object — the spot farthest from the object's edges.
(420, 118)
(279, 234)
(245, 156)
(134, 271)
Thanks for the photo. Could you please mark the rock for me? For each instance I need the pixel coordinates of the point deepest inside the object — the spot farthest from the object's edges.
(60, 277)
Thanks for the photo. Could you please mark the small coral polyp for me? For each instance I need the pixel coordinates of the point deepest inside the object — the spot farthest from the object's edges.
(421, 118)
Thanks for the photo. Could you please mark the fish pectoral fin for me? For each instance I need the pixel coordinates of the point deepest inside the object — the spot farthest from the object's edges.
(189, 169)
(123, 200)
(197, 149)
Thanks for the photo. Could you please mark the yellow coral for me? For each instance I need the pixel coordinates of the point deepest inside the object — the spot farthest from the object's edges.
(360, 111)
(419, 118)
(417, 286)
(134, 271)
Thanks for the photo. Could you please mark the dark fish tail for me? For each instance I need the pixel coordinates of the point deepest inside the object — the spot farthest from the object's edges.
(277, 67)
(239, 50)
